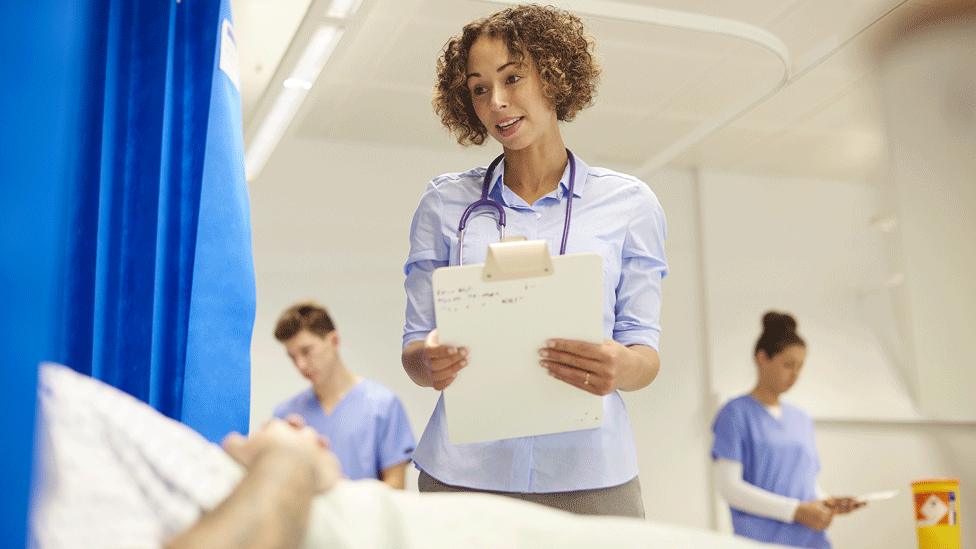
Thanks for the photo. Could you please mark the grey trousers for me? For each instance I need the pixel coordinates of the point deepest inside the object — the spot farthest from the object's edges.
(622, 501)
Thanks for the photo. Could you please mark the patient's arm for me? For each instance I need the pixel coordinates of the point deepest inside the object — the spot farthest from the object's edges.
(269, 508)
(394, 475)
(286, 466)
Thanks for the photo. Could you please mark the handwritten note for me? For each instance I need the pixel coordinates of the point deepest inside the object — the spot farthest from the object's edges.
(467, 297)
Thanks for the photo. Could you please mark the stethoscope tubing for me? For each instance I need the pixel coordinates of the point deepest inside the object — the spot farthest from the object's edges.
(484, 201)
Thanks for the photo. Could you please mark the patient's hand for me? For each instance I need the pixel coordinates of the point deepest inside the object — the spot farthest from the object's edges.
(287, 465)
(291, 439)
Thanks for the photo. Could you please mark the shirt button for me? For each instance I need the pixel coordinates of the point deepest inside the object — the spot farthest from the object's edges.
(538, 215)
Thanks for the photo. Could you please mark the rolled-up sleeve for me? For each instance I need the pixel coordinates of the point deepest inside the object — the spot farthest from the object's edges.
(429, 250)
(643, 267)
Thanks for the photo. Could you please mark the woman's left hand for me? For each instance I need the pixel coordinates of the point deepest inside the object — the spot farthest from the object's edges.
(593, 367)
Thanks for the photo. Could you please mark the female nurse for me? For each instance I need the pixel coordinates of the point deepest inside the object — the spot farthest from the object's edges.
(766, 462)
(513, 76)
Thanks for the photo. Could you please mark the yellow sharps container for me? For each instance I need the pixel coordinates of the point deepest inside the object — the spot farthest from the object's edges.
(937, 513)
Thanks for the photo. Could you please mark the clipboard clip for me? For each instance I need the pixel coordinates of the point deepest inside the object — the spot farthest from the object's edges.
(511, 259)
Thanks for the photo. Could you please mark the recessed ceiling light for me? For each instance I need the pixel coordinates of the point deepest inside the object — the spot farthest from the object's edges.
(886, 223)
(343, 8)
(317, 52)
(297, 83)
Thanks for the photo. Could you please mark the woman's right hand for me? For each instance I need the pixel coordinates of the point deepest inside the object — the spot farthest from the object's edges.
(844, 505)
(814, 514)
(442, 362)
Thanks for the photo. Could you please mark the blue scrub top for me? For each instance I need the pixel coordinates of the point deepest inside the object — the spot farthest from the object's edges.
(368, 430)
(777, 455)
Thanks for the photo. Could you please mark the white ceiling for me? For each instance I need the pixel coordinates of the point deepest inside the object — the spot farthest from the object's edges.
(658, 83)
(264, 29)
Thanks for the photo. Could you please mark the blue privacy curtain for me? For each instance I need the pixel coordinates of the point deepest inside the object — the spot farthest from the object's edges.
(159, 285)
(124, 234)
(49, 50)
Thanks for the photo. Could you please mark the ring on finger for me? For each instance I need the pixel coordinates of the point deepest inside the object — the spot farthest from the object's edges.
(586, 380)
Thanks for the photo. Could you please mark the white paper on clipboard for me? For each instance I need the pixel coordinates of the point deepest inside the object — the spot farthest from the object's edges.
(503, 312)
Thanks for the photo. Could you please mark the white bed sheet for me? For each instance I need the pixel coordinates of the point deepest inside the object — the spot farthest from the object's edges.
(368, 515)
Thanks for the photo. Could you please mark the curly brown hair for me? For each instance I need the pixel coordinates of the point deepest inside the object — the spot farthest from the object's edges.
(556, 42)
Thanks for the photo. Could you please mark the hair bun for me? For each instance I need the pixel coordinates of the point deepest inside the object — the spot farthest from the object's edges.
(778, 323)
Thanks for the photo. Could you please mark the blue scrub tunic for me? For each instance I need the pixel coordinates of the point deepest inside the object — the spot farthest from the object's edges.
(777, 455)
(368, 430)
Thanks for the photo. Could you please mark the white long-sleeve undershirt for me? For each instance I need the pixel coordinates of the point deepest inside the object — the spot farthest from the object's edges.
(750, 498)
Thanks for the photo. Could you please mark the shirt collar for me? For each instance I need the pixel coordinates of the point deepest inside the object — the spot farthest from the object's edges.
(582, 170)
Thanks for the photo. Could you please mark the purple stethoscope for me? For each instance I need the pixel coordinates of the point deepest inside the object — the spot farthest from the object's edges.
(485, 201)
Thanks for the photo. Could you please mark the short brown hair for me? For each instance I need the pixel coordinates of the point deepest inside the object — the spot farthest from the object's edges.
(554, 39)
(303, 316)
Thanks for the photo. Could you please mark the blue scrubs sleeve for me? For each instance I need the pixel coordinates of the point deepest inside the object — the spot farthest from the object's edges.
(429, 250)
(729, 435)
(396, 443)
(643, 266)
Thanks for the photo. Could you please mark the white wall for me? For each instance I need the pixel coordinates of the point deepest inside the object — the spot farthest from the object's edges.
(806, 246)
(670, 418)
(928, 81)
(330, 223)
(861, 457)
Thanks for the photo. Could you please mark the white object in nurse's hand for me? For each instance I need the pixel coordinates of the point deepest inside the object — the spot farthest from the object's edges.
(877, 496)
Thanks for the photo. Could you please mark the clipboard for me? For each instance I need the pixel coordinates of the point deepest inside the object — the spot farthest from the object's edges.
(503, 311)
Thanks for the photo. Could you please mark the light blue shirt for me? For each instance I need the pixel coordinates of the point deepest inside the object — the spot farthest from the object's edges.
(777, 455)
(368, 430)
(615, 215)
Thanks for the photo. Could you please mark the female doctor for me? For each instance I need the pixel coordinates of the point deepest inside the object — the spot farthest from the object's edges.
(766, 461)
(514, 76)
